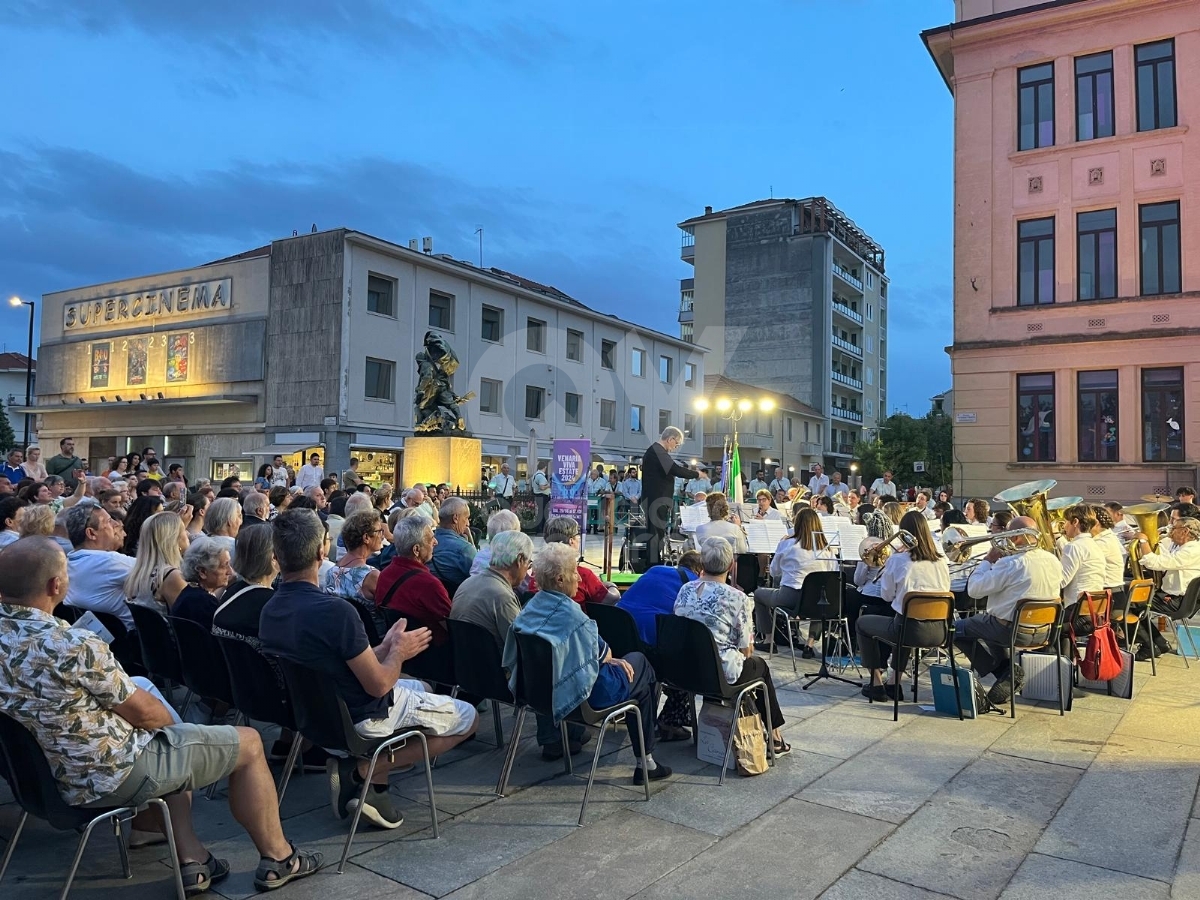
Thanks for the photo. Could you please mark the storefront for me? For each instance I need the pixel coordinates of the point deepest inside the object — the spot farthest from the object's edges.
(377, 465)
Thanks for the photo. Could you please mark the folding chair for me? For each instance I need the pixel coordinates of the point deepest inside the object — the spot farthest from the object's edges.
(1187, 609)
(160, 650)
(1039, 623)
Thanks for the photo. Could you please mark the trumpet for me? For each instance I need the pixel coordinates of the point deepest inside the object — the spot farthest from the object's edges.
(876, 555)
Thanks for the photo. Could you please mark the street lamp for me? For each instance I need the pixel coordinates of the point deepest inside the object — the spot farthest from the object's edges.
(732, 409)
(14, 302)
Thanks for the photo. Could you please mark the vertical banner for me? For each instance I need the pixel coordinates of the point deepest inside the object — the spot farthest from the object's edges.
(138, 360)
(568, 480)
(101, 360)
(177, 357)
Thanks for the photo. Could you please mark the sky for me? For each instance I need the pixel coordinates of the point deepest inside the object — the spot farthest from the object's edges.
(139, 136)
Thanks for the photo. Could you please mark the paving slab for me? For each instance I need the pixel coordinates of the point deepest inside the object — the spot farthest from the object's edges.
(970, 838)
(696, 800)
(891, 779)
(1163, 718)
(847, 729)
(796, 850)
(857, 884)
(1046, 876)
(355, 882)
(1187, 872)
(1152, 784)
(796, 704)
(1070, 740)
(615, 858)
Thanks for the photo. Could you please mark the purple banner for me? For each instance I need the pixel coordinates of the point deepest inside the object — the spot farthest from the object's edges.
(568, 480)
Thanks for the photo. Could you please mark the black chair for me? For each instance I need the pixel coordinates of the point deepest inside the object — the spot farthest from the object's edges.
(478, 671)
(617, 627)
(1187, 609)
(535, 690)
(820, 600)
(124, 646)
(922, 606)
(260, 694)
(160, 650)
(688, 661)
(368, 621)
(323, 718)
(67, 613)
(204, 669)
(28, 773)
(434, 664)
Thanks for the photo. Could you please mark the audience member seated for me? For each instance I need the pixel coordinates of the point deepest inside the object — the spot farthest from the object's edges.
(309, 627)
(155, 579)
(243, 601)
(222, 521)
(351, 578)
(565, 530)
(142, 508)
(453, 550)
(207, 571)
(255, 508)
(110, 739)
(498, 522)
(583, 665)
(722, 525)
(408, 586)
(97, 570)
(489, 599)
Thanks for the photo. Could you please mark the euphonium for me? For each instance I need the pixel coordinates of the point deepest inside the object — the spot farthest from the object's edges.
(878, 555)
(1029, 499)
(1146, 515)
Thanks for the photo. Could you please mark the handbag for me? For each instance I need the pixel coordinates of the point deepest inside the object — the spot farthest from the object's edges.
(749, 741)
(1102, 655)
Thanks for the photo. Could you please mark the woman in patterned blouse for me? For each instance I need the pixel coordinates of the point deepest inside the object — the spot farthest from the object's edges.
(726, 612)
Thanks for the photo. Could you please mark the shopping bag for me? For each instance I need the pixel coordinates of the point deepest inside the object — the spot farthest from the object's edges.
(749, 742)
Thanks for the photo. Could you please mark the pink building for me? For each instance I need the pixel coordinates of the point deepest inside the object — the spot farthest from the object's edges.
(1077, 231)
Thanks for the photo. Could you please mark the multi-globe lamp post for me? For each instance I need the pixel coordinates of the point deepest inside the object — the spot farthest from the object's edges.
(15, 302)
(732, 409)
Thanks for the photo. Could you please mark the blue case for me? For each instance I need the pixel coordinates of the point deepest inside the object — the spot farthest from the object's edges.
(943, 691)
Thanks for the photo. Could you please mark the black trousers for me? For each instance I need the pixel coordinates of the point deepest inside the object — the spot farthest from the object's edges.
(543, 502)
(753, 668)
(658, 511)
(767, 600)
(644, 692)
(876, 652)
(856, 604)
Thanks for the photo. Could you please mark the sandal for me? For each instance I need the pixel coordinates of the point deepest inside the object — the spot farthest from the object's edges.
(198, 877)
(275, 873)
(781, 748)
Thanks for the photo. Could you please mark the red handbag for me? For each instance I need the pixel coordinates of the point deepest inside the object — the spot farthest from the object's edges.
(1102, 654)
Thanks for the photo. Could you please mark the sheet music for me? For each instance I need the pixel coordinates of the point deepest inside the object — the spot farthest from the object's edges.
(764, 535)
(851, 536)
(692, 517)
(974, 531)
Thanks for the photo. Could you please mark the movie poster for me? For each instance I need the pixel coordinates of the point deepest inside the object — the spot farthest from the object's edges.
(177, 357)
(139, 350)
(101, 359)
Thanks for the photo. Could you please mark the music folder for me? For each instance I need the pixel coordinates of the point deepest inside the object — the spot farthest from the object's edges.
(764, 535)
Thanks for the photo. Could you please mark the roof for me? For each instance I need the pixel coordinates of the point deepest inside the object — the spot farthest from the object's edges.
(249, 254)
(745, 207)
(15, 361)
(719, 384)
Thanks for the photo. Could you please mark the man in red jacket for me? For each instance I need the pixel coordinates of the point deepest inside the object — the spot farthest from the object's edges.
(407, 585)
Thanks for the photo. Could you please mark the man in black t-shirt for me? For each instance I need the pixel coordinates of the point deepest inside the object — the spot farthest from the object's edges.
(303, 624)
(659, 471)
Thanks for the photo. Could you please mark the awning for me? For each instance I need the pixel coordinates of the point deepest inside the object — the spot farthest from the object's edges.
(396, 447)
(611, 458)
(281, 449)
(215, 400)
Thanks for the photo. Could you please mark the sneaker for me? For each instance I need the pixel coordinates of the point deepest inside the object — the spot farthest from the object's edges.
(341, 783)
(1018, 677)
(658, 773)
(1001, 692)
(378, 810)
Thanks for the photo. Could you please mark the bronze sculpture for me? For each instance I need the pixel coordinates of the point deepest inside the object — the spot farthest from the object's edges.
(437, 404)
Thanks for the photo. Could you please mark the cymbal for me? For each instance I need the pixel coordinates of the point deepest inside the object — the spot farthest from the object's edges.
(1158, 498)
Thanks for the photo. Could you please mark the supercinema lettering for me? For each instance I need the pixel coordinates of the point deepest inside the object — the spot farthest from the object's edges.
(142, 306)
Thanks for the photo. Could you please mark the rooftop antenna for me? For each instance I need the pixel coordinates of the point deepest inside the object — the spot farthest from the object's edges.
(772, 189)
(479, 231)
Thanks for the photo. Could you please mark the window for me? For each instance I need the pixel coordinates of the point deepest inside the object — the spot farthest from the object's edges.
(870, 278)
(689, 425)
(1035, 262)
(806, 432)
(689, 374)
(1098, 416)
(381, 379)
(608, 414)
(1035, 106)
(870, 313)
(1097, 275)
(492, 324)
(818, 432)
(1155, 71)
(870, 375)
(535, 402)
(608, 355)
(441, 311)
(637, 418)
(870, 407)
(535, 335)
(1094, 109)
(490, 392)
(870, 343)
(1035, 417)
(666, 369)
(571, 405)
(574, 345)
(638, 363)
(789, 428)
(1162, 415)
(381, 294)
(686, 332)
(1160, 248)
(664, 420)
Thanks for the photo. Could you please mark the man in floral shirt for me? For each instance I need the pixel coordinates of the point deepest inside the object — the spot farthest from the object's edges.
(110, 741)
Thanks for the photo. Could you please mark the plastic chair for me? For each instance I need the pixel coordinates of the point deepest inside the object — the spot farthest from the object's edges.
(204, 669)
(930, 606)
(617, 627)
(434, 664)
(688, 661)
(478, 671)
(160, 650)
(260, 694)
(1039, 623)
(368, 621)
(535, 690)
(820, 600)
(67, 613)
(1187, 609)
(28, 774)
(323, 718)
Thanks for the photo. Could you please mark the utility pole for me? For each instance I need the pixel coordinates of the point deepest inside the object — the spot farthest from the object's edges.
(479, 231)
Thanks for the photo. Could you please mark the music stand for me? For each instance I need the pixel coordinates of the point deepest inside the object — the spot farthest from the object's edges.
(821, 600)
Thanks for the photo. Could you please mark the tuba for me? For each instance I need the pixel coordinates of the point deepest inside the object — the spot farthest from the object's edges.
(1029, 499)
(1146, 515)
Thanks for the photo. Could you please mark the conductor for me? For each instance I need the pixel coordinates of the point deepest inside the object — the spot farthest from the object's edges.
(659, 471)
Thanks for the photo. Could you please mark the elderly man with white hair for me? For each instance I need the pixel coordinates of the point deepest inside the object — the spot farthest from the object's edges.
(489, 599)
(454, 549)
(255, 509)
(407, 585)
(1178, 558)
(498, 522)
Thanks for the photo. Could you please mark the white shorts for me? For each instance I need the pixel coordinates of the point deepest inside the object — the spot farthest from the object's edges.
(415, 707)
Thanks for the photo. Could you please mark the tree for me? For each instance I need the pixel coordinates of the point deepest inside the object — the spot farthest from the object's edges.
(8, 440)
(901, 441)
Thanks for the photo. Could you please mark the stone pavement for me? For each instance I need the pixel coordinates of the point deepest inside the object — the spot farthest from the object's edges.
(1099, 803)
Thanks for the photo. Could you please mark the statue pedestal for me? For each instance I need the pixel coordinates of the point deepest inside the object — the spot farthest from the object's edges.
(453, 460)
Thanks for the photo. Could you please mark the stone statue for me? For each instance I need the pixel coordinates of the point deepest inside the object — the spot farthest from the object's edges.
(436, 402)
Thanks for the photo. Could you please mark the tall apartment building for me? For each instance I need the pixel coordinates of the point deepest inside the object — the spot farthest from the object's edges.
(1077, 248)
(790, 296)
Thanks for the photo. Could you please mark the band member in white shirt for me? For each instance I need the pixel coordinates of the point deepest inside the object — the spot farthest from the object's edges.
(764, 510)
(976, 510)
(1033, 574)
(1114, 553)
(805, 551)
(1082, 561)
(920, 568)
(1178, 558)
(884, 487)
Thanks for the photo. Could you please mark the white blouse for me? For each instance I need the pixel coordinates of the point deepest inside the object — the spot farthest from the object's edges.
(792, 561)
(903, 575)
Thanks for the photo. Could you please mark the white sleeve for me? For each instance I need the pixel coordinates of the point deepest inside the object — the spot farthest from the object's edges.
(984, 581)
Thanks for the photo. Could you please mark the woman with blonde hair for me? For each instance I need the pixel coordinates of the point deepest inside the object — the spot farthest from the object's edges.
(155, 579)
(33, 463)
(35, 520)
(382, 497)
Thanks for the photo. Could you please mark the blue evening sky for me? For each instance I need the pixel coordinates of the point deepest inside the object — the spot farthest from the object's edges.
(139, 136)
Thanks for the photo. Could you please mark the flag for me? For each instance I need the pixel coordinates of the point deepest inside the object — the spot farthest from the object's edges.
(733, 484)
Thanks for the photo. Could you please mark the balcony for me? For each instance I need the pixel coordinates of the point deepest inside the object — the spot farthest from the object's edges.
(843, 309)
(847, 277)
(688, 251)
(686, 305)
(852, 349)
(841, 449)
(747, 440)
(848, 415)
(846, 380)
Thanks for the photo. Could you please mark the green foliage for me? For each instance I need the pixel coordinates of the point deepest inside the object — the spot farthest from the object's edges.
(8, 440)
(902, 441)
